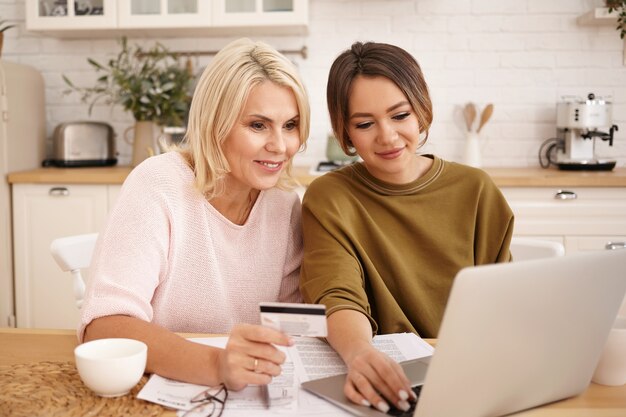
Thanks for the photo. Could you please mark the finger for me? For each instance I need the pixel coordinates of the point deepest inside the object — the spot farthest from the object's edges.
(404, 381)
(359, 383)
(264, 334)
(383, 376)
(266, 352)
(254, 365)
(255, 378)
(371, 367)
(353, 395)
(238, 371)
(252, 340)
(253, 349)
(393, 376)
(266, 367)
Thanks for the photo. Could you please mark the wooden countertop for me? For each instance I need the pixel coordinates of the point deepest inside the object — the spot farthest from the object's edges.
(33, 345)
(503, 177)
(90, 175)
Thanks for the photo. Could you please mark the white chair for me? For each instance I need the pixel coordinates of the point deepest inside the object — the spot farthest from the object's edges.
(72, 254)
(523, 248)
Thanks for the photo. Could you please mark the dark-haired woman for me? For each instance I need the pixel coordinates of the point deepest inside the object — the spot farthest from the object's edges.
(384, 238)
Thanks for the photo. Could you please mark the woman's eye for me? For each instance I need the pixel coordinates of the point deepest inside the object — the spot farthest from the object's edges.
(291, 125)
(257, 125)
(363, 125)
(401, 116)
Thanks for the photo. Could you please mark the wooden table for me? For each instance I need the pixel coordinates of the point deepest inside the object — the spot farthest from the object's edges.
(33, 345)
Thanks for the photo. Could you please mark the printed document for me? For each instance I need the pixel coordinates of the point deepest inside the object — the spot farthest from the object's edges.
(315, 359)
(309, 358)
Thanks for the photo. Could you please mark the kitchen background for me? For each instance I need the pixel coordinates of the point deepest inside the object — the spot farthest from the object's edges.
(521, 55)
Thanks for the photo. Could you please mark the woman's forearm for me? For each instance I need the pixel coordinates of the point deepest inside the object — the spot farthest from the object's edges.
(349, 332)
(169, 355)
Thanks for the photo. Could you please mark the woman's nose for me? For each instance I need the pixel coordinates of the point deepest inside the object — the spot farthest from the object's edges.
(386, 133)
(276, 142)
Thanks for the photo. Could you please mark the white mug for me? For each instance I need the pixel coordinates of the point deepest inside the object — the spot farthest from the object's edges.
(611, 369)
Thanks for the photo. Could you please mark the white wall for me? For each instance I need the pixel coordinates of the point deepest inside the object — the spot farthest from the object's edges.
(521, 55)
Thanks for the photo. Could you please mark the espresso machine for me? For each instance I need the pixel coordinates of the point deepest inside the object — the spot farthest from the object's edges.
(578, 124)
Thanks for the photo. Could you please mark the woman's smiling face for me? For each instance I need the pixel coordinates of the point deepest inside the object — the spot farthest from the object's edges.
(383, 128)
(264, 139)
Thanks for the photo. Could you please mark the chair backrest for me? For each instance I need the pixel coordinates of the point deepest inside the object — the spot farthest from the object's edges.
(523, 248)
(72, 254)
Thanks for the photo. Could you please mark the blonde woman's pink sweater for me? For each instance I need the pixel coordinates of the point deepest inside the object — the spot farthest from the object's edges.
(169, 257)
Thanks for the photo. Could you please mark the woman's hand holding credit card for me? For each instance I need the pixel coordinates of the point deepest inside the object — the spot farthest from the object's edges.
(295, 319)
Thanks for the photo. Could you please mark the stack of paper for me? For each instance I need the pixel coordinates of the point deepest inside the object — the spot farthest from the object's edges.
(308, 359)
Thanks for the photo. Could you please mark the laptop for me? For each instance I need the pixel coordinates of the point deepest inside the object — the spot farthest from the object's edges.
(513, 336)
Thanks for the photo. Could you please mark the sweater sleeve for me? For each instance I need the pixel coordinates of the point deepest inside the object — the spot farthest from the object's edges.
(131, 253)
(331, 273)
(494, 225)
(289, 288)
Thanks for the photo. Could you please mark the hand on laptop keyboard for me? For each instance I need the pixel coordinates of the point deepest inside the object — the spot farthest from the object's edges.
(409, 413)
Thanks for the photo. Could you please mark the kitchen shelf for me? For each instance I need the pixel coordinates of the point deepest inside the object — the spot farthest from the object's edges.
(600, 16)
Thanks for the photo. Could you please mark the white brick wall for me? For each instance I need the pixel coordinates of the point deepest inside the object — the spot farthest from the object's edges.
(521, 55)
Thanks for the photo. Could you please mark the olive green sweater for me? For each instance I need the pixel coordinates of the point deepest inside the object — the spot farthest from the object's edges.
(392, 251)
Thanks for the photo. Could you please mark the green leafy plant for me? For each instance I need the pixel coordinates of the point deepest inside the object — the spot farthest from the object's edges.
(619, 7)
(151, 84)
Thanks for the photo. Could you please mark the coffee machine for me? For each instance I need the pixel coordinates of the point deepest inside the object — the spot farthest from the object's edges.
(578, 124)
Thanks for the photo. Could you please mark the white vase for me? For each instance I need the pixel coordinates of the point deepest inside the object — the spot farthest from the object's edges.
(471, 155)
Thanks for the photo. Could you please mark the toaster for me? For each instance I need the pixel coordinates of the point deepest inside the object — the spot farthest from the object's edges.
(82, 144)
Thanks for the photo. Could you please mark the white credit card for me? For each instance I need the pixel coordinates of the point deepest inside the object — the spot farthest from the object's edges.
(295, 319)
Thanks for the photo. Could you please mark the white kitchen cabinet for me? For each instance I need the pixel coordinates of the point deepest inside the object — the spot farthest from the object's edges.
(70, 15)
(232, 13)
(155, 14)
(113, 18)
(41, 213)
(113, 191)
(582, 218)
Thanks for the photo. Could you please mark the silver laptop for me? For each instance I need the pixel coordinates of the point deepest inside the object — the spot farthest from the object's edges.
(513, 336)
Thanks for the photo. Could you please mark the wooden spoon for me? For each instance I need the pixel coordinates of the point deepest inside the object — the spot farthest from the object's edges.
(469, 112)
(485, 116)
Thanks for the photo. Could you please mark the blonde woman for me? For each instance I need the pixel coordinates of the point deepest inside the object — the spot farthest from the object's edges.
(199, 236)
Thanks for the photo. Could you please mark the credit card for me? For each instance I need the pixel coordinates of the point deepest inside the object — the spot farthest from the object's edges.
(295, 319)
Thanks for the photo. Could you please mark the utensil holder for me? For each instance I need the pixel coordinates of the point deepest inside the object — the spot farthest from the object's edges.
(472, 154)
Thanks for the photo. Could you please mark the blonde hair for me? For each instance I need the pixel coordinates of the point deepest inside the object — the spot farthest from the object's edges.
(218, 101)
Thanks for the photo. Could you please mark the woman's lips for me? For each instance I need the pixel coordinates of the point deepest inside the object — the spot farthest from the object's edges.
(271, 166)
(391, 154)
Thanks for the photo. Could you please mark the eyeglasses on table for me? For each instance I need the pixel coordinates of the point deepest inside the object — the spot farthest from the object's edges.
(209, 403)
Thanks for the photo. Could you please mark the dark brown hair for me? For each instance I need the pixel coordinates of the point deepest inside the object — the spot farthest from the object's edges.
(373, 59)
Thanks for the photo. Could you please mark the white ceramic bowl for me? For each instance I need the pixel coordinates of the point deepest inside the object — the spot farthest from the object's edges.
(111, 367)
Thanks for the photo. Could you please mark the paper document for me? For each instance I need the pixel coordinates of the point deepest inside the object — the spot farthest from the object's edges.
(283, 391)
(315, 359)
(308, 359)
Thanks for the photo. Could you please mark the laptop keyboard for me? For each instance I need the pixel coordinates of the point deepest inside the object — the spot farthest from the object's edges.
(399, 413)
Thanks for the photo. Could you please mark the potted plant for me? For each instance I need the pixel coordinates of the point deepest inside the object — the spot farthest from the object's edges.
(3, 26)
(619, 7)
(150, 84)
